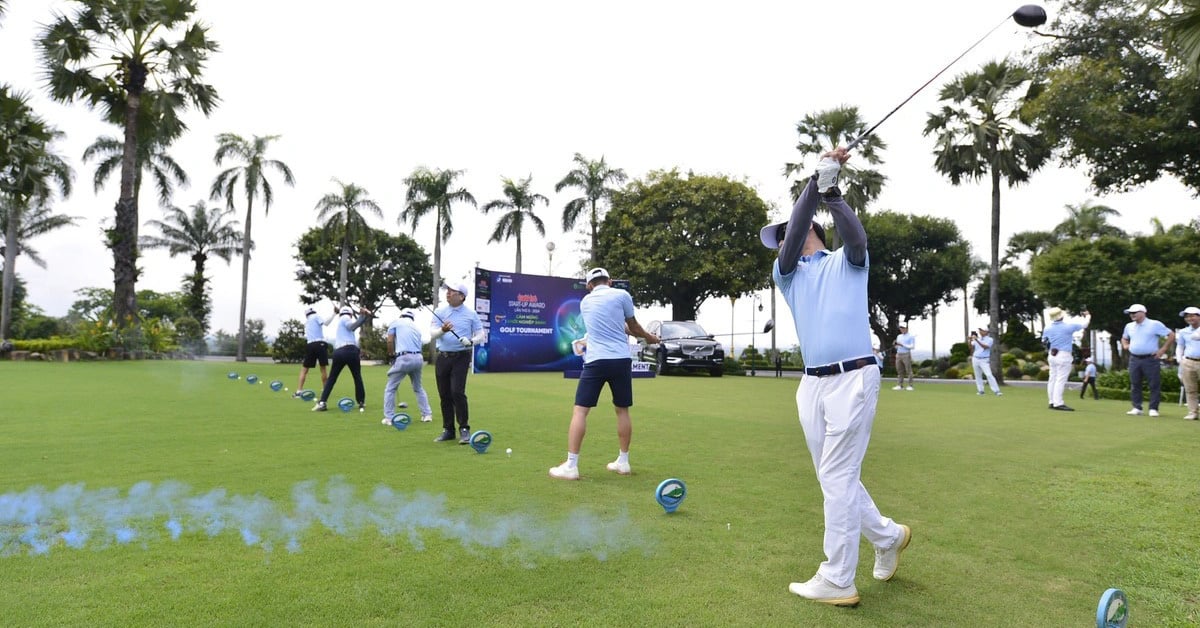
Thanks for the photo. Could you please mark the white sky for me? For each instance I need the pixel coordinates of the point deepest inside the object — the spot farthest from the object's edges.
(366, 90)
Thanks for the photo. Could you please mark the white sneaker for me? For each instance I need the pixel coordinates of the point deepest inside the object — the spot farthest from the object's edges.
(564, 472)
(909, 388)
(827, 174)
(1191, 416)
(387, 421)
(1134, 412)
(897, 388)
(821, 590)
(320, 407)
(1154, 413)
(426, 418)
(999, 394)
(617, 466)
(886, 561)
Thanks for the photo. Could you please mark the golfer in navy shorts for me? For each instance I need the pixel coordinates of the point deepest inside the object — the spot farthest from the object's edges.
(608, 318)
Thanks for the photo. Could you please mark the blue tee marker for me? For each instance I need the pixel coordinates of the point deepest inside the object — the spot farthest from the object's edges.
(480, 441)
(401, 421)
(670, 494)
(1113, 611)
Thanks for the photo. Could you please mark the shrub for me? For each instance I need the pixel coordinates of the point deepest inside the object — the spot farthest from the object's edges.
(1008, 360)
(1043, 375)
(1031, 369)
(1018, 353)
(732, 367)
(951, 373)
(42, 345)
(925, 371)
(1013, 372)
(290, 342)
(1119, 380)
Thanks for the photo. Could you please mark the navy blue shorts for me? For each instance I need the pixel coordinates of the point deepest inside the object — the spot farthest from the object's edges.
(617, 373)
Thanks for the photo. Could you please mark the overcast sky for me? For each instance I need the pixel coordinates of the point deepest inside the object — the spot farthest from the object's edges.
(366, 90)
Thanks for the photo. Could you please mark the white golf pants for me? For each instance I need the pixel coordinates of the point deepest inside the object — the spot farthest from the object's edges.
(1060, 370)
(836, 413)
(983, 367)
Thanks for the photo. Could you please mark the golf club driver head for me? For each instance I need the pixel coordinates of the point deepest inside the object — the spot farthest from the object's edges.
(1030, 16)
(769, 325)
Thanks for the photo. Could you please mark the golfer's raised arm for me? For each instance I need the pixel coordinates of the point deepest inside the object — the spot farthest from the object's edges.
(850, 230)
(798, 226)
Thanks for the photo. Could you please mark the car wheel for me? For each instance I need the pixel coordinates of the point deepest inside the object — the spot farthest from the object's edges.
(661, 361)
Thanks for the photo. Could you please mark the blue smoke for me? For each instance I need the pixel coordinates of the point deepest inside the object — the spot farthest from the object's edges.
(37, 521)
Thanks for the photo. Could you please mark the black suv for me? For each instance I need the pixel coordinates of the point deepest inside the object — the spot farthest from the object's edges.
(684, 345)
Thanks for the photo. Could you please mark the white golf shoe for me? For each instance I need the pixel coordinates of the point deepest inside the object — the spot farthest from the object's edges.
(897, 388)
(888, 560)
(426, 418)
(1191, 416)
(564, 472)
(1134, 412)
(386, 421)
(819, 589)
(1154, 413)
(616, 466)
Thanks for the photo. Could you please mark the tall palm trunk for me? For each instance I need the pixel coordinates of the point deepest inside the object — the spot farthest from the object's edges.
(437, 257)
(592, 254)
(994, 288)
(241, 352)
(343, 277)
(10, 274)
(518, 253)
(123, 237)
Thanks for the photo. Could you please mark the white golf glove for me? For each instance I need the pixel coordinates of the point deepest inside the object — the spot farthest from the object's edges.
(827, 174)
(466, 342)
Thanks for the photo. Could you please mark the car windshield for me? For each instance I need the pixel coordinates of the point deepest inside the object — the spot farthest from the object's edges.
(682, 329)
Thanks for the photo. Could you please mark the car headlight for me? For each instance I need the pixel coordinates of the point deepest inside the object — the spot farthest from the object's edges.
(671, 346)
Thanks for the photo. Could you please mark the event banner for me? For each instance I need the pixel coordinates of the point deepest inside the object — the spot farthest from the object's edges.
(530, 321)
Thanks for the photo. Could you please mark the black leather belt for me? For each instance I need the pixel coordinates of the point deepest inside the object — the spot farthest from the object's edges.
(450, 354)
(1144, 355)
(1191, 358)
(407, 352)
(840, 367)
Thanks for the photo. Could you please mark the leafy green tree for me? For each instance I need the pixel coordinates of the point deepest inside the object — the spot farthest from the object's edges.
(595, 178)
(1183, 31)
(680, 241)
(916, 262)
(826, 130)
(251, 177)
(434, 190)
(202, 232)
(1114, 99)
(152, 158)
(982, 132)
(1018, 301)
(1088, 221)
(1032, 242)
(30, 173)
(342, 211)
(290, 343)
(519, 200)
(121, 56)
(382, 268)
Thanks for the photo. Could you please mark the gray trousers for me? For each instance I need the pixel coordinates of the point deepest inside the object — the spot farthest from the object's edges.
(405, 365)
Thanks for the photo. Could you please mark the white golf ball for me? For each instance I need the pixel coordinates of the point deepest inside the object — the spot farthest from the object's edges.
(508, 451)
(285, 389)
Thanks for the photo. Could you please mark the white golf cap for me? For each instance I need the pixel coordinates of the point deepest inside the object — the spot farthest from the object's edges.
(310, 310)
(1136, 307)
(1055, 313)
(1088, 360)
(770, 235)
(346, 311)
(596, 273)
(456, 285)
(1190, 310)
(408, 312)
(983, 329)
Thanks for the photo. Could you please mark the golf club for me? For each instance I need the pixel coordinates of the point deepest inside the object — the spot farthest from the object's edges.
(396, 302)
(1029, 16)
(770, 324)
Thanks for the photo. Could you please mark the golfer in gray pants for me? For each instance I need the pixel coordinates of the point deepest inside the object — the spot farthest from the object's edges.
(404, 342)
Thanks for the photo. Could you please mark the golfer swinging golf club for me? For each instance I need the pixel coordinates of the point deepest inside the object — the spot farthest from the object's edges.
(827, 293)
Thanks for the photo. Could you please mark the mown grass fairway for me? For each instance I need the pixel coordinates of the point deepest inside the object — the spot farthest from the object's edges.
(1020, 515)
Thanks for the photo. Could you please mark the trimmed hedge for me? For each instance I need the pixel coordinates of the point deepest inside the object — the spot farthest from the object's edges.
(43, 345)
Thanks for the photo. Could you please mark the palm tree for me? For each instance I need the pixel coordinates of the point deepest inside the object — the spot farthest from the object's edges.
(594, 178)
(520, 202)
(342, 211)
(983, 134)
(1088, 221)
(117, 55)
(827, 130)
(202, 232)
(1183, 29)
(1033, 242)
(434, 190)
(30, 172)
(251, 177)
(152, 157)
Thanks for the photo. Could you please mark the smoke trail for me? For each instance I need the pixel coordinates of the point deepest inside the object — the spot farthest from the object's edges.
(37, 521)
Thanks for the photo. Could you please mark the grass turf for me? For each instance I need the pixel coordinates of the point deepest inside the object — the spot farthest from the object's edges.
(1019, 514)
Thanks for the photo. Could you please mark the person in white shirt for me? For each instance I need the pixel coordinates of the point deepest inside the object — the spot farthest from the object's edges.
(315, 352)
(1187, 350)
(904, 345)
(404, 344)
(346, 354)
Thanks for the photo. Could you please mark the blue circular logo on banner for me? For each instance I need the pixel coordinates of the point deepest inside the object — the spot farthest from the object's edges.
(480, 441)
(1113, 610)
(670, 494)
(232, 375)
(401, 421)
(307, 395)
(346, 404)
(276, 385)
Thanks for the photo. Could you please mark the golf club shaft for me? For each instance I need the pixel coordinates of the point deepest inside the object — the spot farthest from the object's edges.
(862, 137)
(396, 302)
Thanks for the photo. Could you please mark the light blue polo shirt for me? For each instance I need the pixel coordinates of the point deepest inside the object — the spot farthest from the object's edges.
(828, 298)
(466, 324)
(1190, 346)
(1061, 334)
(314, 328)
(406, 335)
(604, 311)
(345, 331)
(1090, 371)
(983, 347)
(907, 342)
(1143, 338)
